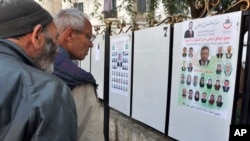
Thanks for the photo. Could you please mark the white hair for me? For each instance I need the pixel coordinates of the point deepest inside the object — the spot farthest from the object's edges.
(70, 17)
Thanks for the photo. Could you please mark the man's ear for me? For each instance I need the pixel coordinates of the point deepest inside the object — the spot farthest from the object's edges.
(37, 39)
(68, 34)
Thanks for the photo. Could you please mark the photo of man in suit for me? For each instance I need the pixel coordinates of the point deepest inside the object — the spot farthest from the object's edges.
(190, 32)
(184, 52)
(229, 53)
(220, 52)
(219, 101)
(189, 79)
(190, 67)
(190, 94)
(195, 82)
(204, 56)
(190, 52)
(119, 60)
(218, 69)
(226, 86)
(228, 69)
(204, 97)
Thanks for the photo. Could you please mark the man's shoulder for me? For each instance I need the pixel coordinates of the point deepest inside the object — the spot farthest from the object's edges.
(33, 79)
(36, 77)
(49, 78)
(84, 87)
(87, 89)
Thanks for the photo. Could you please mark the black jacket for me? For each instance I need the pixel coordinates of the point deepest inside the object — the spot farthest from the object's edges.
(34, 105)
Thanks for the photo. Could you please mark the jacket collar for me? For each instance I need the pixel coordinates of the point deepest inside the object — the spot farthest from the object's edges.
(12, 49)
(62, 51)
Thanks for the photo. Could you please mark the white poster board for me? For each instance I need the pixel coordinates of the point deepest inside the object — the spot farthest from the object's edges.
(202, 118)
(85, 63)
(150, 76)
(120, 72)
(97, 62)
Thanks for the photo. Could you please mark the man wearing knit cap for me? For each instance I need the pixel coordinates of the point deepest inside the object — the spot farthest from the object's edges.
(34, 104)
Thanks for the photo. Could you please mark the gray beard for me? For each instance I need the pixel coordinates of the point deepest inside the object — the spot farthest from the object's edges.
(44, 60)
(49, 68)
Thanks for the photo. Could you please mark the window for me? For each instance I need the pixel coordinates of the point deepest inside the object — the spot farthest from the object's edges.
(79, 6)
(141, 6)
(113, 12)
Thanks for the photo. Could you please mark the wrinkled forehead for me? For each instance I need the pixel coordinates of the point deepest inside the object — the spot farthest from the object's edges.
(88, 27)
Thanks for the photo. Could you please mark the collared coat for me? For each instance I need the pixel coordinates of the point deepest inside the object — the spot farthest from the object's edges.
(34, 105)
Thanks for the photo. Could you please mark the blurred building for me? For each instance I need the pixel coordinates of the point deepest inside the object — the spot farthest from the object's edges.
(99, 10)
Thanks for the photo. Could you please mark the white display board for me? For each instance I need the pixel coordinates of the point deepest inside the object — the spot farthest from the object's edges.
(120, 72)
(97, 62)
(194, 114)
(150, 76)
(85, 63)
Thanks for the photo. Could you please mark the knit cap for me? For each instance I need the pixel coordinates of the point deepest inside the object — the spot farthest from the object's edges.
(20, 17)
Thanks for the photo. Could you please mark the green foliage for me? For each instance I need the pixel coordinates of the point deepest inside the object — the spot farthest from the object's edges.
(153, 5)
(224, 4)
(129, 6)
(95, 14)
(172, 7)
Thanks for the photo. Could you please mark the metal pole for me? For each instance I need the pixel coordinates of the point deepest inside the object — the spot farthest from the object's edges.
(106, 81)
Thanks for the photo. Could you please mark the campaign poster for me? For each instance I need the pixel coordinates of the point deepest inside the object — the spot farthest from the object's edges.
(120, 58)
(208, 64)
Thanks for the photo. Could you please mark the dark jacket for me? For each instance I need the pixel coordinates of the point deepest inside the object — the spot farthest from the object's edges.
(34, 105)
(69, 72)
(83, 85)
(200, 62)
(188, 35)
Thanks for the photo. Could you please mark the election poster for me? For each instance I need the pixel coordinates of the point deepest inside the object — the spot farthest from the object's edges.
(205, 54)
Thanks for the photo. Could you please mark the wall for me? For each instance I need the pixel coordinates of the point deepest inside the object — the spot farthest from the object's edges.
(52, 6)
(123, 128)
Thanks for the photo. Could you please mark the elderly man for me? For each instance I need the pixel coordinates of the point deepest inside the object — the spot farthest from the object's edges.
(75, 40)
(34, 105)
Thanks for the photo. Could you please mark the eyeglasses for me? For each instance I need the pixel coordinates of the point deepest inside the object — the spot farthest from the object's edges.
(91, 37)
